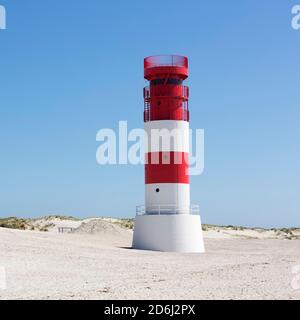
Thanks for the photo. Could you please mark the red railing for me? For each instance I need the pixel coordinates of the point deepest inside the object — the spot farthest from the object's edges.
(147, 94)
(183, 115)
(165, 60)
(184, 94)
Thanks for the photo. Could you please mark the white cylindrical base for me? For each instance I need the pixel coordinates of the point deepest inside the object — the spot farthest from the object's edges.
(168, 233)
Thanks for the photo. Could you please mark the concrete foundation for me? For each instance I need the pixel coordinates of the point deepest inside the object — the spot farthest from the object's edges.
(168, 233)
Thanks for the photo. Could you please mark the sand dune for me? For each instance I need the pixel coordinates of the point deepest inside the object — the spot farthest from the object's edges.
(99, 225)
(94, 262)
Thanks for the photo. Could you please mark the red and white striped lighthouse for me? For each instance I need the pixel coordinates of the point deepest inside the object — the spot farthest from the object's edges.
(167, 222)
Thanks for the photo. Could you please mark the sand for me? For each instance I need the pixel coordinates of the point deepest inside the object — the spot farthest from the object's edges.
(96, 262)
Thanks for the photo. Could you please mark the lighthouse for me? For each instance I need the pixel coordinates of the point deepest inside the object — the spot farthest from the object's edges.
(167, 222)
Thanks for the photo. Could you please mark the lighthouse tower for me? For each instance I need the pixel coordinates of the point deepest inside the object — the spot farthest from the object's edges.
(167, 222)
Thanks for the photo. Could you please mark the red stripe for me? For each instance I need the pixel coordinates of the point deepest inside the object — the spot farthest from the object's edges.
(174, 113)
(167, 167)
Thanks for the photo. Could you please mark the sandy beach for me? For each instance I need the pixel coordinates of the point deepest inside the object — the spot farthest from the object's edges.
(96, 262)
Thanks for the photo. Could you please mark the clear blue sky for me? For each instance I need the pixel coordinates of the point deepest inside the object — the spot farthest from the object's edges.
(70, 68)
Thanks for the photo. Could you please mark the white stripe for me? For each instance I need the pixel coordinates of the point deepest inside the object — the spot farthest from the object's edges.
(169, 195)
(167, 135)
